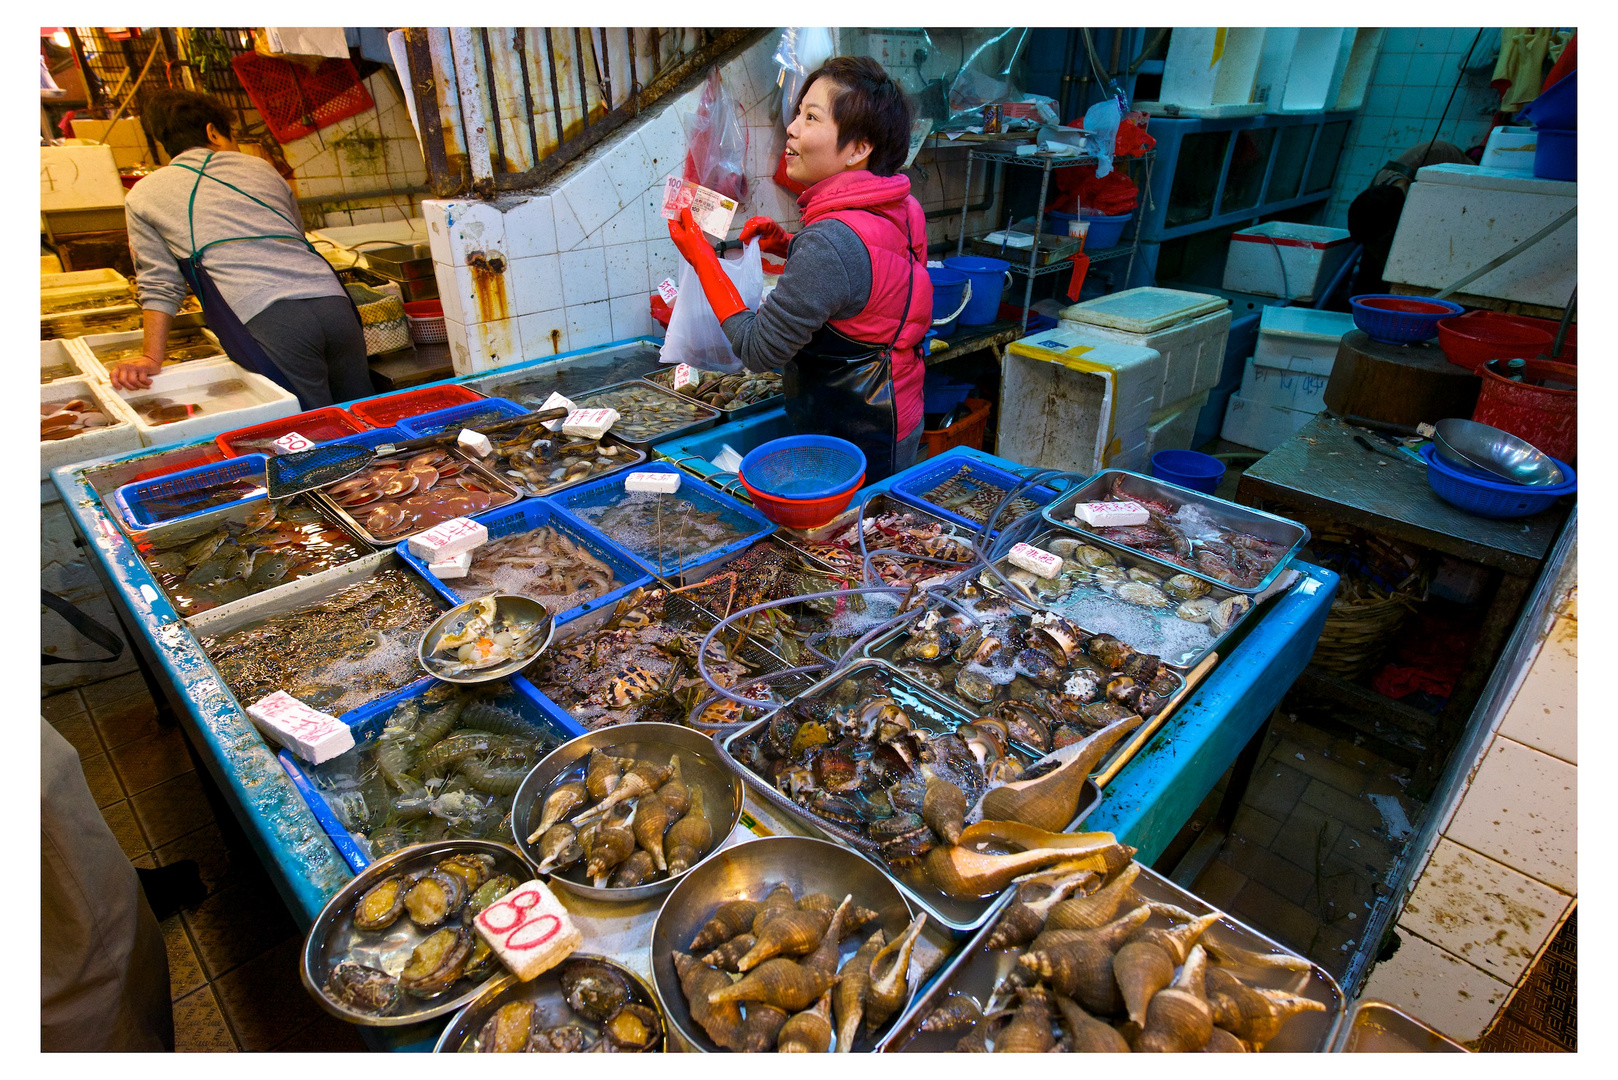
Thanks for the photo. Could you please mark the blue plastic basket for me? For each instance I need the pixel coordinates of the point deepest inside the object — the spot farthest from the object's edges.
(531, 514)
(734, 515)
(923, 478)
(489, 410)
(804, 467)
(146, 503)
(373, 438)
(1491, 498)
(1401, 327)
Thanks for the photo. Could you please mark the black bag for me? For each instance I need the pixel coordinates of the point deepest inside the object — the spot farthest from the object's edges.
(84, 624)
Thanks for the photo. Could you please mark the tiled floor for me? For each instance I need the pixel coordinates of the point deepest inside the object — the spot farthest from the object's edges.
(233, 960)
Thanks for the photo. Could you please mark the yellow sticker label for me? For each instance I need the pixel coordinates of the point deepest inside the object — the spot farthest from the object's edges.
(752, 825)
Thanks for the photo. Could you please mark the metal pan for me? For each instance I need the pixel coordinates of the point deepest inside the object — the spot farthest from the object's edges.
(497, 485)
(550, 1005)
(531, 384)
(1226, 515)
(1375, 1027)
(976, 971)
(707, 416)
(883, 502)
(333, 937)
(630, 456)
(928, 711)
(662, 380)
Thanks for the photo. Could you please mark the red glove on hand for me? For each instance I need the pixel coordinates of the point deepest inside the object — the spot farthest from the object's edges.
(772, 239)
(716, 284)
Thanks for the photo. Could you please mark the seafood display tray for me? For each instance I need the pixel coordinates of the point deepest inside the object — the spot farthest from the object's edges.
(257, 401)
(693, 453)
(929, 711)
(470, 414)
(526, 516)
(120, 435)
(929, 475)
(579, 373)
(974, 970)
(876, 505)
(496, 485)
(138, 504)
(1228, 515)
(587, 400)
(333, 937)
(388, 410)
(740, 412)
(1128, 558)
(316, 425)
(630, 455)
(460, 1035)
(1375, 1027)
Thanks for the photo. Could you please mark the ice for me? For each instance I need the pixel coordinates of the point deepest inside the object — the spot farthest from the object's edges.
(1162, 633)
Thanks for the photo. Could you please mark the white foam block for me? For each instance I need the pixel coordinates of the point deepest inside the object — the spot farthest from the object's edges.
(589, 423)
(685, 375)
(456, 566)
(1106, 514)
(293, 443)
(556, 401)
(1035, 561)
(307, 732)
(448, 538)
(663, 483)
(529, 930)
(475, 441)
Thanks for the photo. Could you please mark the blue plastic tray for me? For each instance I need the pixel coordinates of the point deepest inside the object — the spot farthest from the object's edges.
(527, 516)
(139, 503)
(489, 410)
(374, 437)
(735, 515)
(924, 477)
(694, 453)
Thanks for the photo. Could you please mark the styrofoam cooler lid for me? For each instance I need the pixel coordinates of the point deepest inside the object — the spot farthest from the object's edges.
(1292, 233)
(1304, 323)
(1072, 348)
(1477, 176)
(1144, 310)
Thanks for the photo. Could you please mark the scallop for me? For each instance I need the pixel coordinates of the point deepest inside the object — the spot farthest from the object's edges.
(1141, 594)
(1063, 546)
(1186, 587)
(1199, 610)
(1092, 556)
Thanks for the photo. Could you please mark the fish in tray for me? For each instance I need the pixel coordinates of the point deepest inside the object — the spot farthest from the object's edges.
(254, 547)
(540, 461)
(447, 764)
(403, 495)
(937, 550)
(645, 412)
(221, 396)
(730, 391)
(1187, 536)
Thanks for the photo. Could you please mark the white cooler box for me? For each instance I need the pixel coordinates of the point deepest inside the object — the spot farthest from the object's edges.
(198, 383)
(1263, 427)
(1187, 329)
(1293, 358)
(58, 359)
(87, 345)
(118, 436)
(1073, 401)
(1280, 258)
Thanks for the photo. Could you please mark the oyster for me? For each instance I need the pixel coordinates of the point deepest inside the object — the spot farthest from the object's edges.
(1091, 556)
(1038, 666)
(1186, 587)
(593, 990)
(363, 989)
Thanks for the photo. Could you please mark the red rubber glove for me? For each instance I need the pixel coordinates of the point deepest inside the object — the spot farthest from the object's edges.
(772, 239)
(716, 284)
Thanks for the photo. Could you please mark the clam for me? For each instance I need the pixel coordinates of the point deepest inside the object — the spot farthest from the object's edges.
(593, 990)
(1039, 667)
(363, 989)
(567, 1039)
(1187, 587)
(1141, 594)
(1136, 573)
(1108, 650)
(1199, 610)
(1084, 683)
(434, 897)
(1063, 546)
(482, 962)
(488, 893)
(1091, 556)
(1025, 724)
(902, 836)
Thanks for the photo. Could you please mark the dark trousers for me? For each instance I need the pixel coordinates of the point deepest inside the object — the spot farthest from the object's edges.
(320, 347)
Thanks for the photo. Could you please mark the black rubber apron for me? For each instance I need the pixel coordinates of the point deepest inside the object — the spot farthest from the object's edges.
(233, 336)
(838, 386)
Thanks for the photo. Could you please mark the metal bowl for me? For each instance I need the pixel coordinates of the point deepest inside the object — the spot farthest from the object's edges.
(519, 612)
(700, 765)
(1469, 444)
(748, 872)
(333, 937)
(460, 1035)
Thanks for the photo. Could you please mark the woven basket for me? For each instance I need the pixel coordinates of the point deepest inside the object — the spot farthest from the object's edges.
(383, 319)
(1367, 614)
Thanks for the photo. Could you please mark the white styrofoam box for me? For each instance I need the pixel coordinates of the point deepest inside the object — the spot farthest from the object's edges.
(115, 438)
(1300, 335)
(1281, 258)
(1287, 386)
(126, 137)
(1144, 310)
(1319, 62)
(1211, 65)
(1274, 60)
(1459, 217)
(80, 285)
(1072, 400)
(1366, 47)
(56, 352)
(78, 178)
(260, 400)
(1175, 427)
(1193, 350)
(84, 348)
(1511, 149)
(1263, 427)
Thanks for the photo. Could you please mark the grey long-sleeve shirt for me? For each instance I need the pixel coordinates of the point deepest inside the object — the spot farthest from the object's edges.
(251, 274)
(828, 277)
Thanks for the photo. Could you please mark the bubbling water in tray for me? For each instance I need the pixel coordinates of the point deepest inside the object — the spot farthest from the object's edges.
(1160, 632)
(667, 529)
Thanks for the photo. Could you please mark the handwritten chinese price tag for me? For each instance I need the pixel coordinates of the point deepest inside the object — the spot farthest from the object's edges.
(293, 443)
(529, 930)
(668, 291)
(307, 732)
(448, 538)
(685, 375)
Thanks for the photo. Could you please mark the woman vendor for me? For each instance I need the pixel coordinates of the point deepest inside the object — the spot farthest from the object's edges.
(846, 320)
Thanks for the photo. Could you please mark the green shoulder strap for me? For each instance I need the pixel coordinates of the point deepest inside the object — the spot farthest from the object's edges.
(191, 207)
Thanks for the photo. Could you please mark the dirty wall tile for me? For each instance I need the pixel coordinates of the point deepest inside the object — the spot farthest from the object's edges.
(1522, 809)
(544, 334)
(626, 270)
(536, 284)
(530, 227)
(592, 197)
(627, 226)
(589, 324)
(627, 166)
(632, 317)
(584, 276)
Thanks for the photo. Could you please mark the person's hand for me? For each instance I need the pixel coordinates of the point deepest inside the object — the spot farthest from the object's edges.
(690, 240)
(716, 284)
(772, 239)
(135, 374)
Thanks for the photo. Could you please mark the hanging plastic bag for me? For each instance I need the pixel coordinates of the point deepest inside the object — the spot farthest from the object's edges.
(716, 141)
(695, 336)
(1101, 120)
(802, 51)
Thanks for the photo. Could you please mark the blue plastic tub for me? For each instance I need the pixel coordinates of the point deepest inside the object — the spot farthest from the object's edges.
(146, 503)
(1189, 469)
(1557, 108)
(531, 514)
(373, 438)
(940, 393)
(1491, 498)
(1556, 154)
(949, 288)
(489, 410)
(989, 279)
(915, 483)
(1106, 230)
(694, 453)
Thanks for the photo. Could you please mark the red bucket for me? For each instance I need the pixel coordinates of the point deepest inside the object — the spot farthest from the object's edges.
(1546, 417)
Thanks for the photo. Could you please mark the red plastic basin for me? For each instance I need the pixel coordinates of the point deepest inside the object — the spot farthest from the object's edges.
(1480, 336)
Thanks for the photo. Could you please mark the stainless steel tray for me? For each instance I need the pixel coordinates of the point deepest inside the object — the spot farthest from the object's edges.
(591, 400)
(740, 412)
(1375, 1027)
(1160, 631)
(976, 971)
(333, 937)
(400, 262)
(883, 502)
(569, 376)
(1290, 534)
(550, 1005)
(631, 455)
(928, 711)
(497, 484)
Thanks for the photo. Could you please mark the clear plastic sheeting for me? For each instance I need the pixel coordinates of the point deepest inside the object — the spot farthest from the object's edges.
(950, 73)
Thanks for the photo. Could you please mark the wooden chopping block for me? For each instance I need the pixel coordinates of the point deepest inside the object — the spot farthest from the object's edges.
(1398, 384)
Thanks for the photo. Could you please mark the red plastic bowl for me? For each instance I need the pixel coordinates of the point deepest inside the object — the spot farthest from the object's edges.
(801, 513)
(1480, 336)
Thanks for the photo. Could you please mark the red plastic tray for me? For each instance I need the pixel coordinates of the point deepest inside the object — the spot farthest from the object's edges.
(317, 425)
(386, 411)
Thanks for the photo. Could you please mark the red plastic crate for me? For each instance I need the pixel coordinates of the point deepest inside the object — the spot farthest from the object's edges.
(293, 101)
(967, 431)
(316, 425)
(386, 411)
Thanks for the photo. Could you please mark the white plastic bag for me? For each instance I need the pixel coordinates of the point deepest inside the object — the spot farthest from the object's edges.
(695, 336)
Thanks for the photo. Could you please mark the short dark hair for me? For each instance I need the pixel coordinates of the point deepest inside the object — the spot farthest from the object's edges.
(179, 119)
(868, 105)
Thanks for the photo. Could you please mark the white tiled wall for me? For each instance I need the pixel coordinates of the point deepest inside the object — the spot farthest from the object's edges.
(1414, 75)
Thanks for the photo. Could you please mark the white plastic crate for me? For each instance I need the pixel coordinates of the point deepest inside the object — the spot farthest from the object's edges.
(1211, 65)
(1292, 384)
(1187, 329)
(1071, 400)
(1175, 427)
(57, 353)
(1281, 258)
(85, 347)
(1320, 60)
(115, 438)
(81, 285)
(1263, 427)
(259, 400)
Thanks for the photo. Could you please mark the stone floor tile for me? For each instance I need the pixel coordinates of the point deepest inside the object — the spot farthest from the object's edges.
(111, 690)
(1349, 809)
(206, 847)
(1254, 826)
(80, 732)
(61, 705)
(237, 923)
(264, 999)
(1276, 916)
(1373, 854)
(125, 720)
(1304, 734)
(185, 970)
(102, 779)
(1306, 837)
(1345, 778)
(120, 819)
(172, 808)
(146, 762)
(199, 1025)
(324, 1035)
(1275, 789)
(1261, 864)
(1219, 883)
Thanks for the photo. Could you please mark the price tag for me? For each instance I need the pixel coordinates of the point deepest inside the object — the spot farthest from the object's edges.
(292, 443)
(668, 291)
(514, 921)
(685, 375)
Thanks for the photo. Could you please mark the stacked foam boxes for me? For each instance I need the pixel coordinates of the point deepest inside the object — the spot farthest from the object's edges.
(1187, 330)
(1284, 381)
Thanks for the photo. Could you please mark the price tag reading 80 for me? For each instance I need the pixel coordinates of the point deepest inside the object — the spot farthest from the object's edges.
(514, 922)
